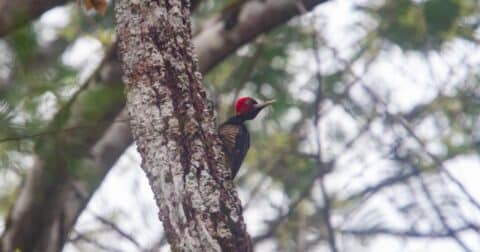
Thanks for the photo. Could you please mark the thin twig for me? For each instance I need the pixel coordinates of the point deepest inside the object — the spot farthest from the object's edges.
(422, 144)
(59, 131)
(326, 213)
(412, 233)
(105, 221)
(117, 229)
(85, 238)
(425, 189)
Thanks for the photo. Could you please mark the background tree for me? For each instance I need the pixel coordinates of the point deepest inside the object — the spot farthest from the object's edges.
(388, 87)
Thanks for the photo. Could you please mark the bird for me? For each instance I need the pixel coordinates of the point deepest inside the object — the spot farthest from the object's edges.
(234, 133)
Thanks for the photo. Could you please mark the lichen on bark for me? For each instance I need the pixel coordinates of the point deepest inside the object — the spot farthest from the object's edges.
(175, 129)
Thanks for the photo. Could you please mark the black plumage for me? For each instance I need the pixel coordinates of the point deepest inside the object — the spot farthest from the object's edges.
(234, 133)
(236, 141)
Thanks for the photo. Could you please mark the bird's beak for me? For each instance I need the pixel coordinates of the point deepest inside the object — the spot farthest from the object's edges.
(264, 104)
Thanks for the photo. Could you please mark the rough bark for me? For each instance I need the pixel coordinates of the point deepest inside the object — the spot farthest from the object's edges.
(112, 143)
(175, 130)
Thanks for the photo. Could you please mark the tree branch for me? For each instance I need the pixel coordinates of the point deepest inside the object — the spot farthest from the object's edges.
(14, 14)
(404, 233)
(109, 146)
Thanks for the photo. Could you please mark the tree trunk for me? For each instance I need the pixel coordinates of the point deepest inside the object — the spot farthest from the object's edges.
(27, 217)
(175, 130)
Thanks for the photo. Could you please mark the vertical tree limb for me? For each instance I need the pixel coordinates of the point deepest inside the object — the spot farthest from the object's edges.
(175, 129)
(27, 217)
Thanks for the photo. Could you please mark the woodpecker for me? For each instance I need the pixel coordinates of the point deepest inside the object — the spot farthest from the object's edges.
(234, 134)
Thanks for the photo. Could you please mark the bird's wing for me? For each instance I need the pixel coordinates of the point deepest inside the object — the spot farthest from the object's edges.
(229, 134)
(236, 141)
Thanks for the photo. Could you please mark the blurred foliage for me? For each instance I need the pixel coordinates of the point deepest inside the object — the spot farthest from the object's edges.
(259, 70)
(24, 42)
(39, 83)
(425, 25)
(41, 86)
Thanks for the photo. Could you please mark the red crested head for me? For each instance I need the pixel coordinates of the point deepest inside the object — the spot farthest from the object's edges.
(244, 104)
